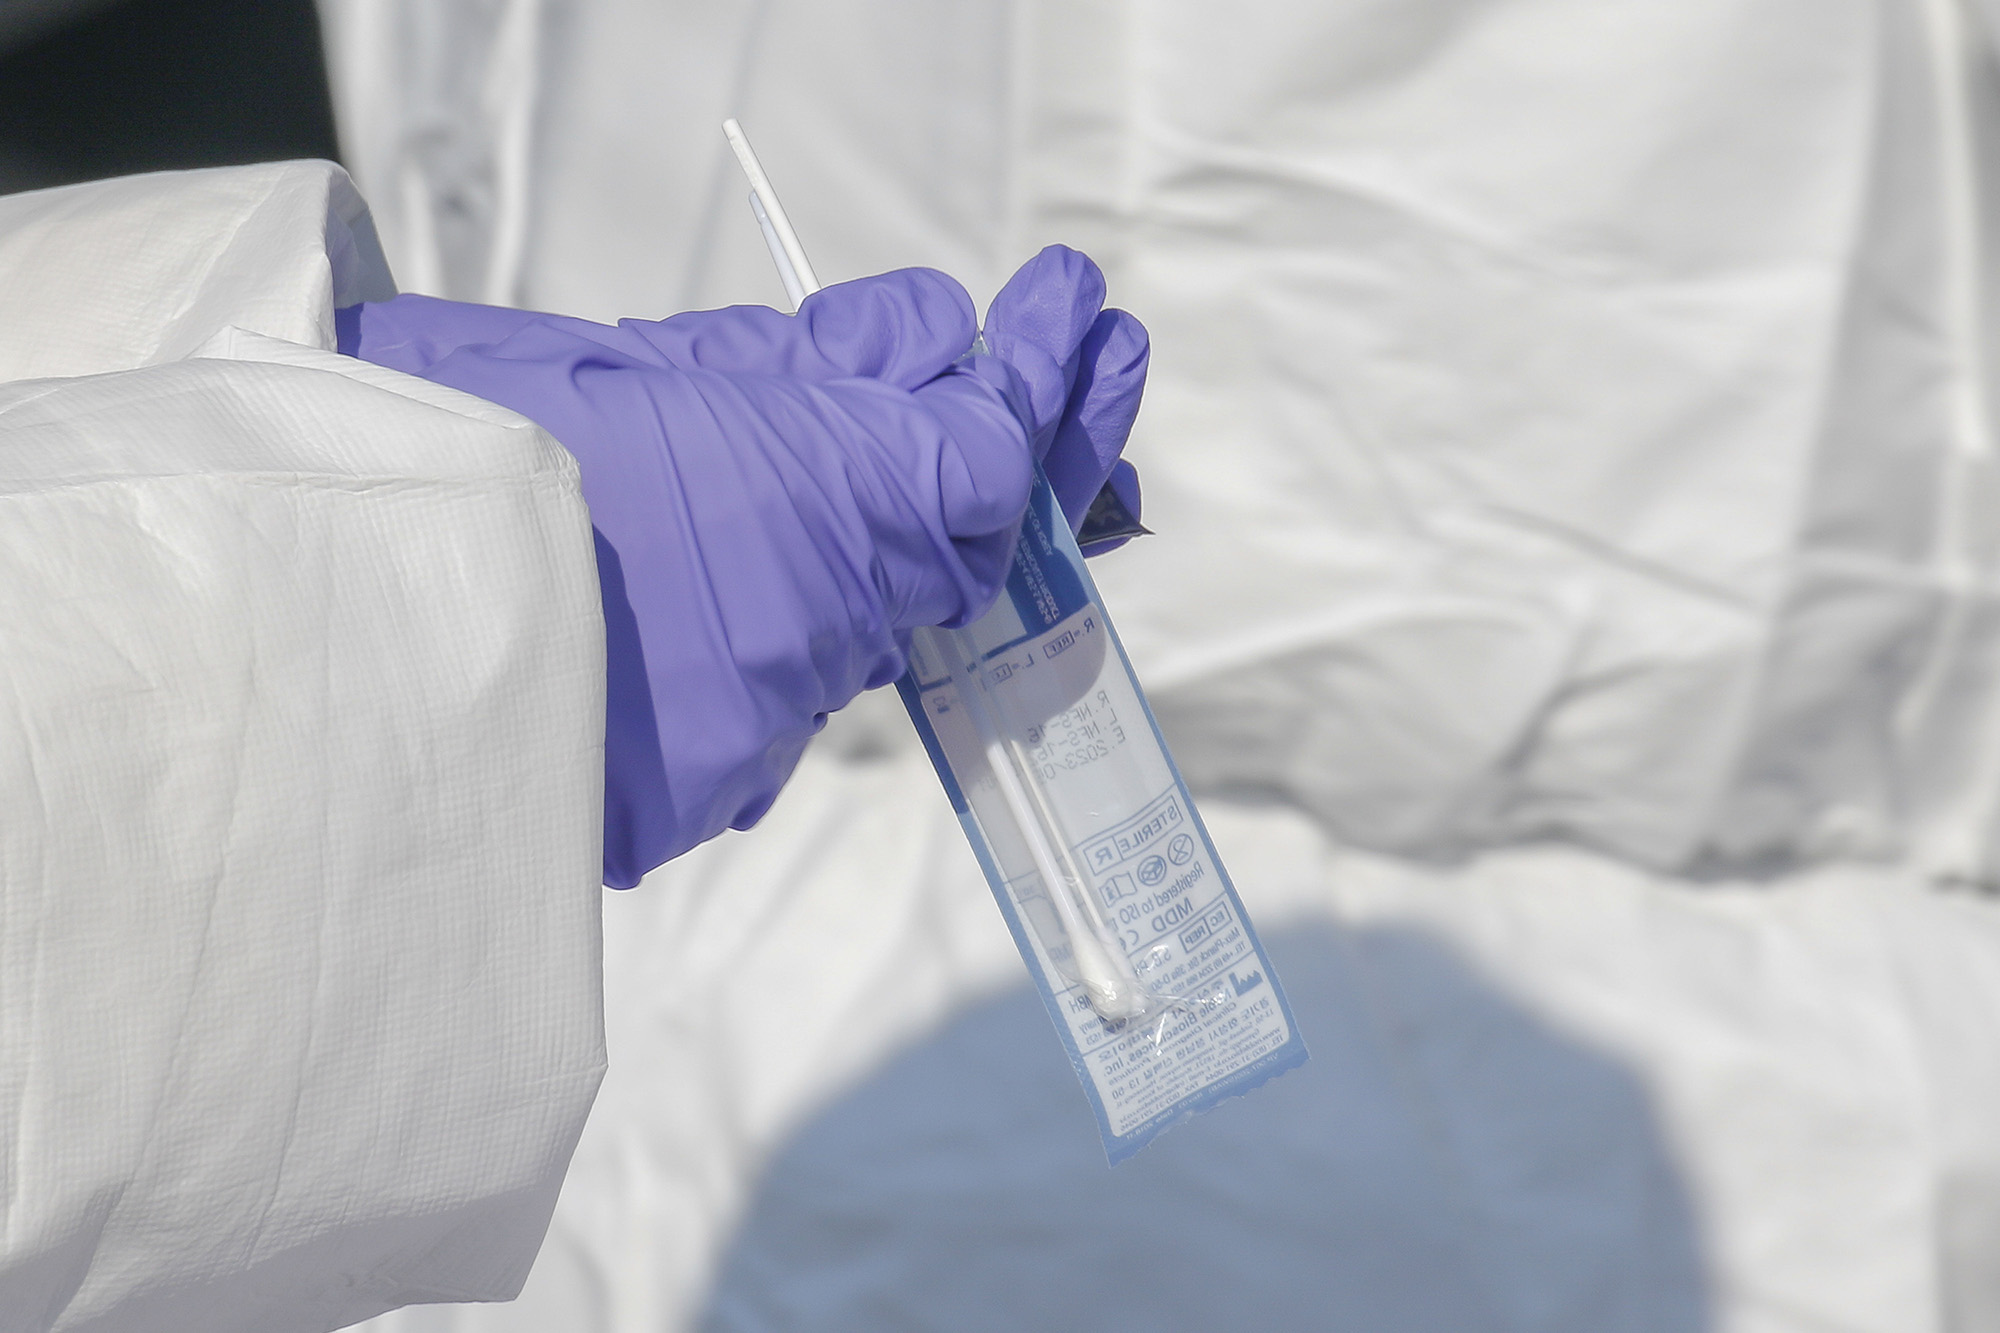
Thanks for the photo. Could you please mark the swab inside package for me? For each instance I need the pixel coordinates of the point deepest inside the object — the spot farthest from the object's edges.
(1121, 908)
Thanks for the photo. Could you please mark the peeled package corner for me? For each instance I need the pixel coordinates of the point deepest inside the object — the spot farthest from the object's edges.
(301, 754)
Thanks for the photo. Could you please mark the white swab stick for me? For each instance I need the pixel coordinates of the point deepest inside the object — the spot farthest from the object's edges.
(774, 212)
(1113, 993)
(795, 290)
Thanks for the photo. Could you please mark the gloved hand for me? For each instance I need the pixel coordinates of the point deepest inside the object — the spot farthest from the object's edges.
(779, 500)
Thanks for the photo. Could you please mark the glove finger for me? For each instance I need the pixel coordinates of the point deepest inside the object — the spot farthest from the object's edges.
(985, 478)
(946, 495)
(903, 328)
(1038, 323)
(1090, 437)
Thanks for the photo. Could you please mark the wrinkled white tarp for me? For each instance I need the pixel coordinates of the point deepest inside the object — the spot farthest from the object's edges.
(300, 760)
(1547, 1092)
(1567, 420)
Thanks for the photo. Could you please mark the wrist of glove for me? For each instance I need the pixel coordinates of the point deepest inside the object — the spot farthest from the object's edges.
(779, 499)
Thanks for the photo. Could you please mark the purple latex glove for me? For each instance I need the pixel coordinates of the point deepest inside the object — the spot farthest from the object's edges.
(1085, 368)
(778, 500)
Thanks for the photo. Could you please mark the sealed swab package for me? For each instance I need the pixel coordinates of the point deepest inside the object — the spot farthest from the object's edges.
(1128, 923)
(1152, 972)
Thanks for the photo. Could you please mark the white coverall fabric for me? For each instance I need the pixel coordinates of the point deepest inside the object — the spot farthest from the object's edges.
(1568, 421)
(301, 762)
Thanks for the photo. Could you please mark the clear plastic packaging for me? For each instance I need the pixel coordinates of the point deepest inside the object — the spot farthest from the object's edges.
(1121, 908)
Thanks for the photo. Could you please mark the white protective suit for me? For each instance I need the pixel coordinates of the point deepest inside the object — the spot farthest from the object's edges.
(300, 771)
(1571, 441)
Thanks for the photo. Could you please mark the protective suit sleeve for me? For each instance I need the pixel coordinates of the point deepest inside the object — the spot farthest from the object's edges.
(300, 958)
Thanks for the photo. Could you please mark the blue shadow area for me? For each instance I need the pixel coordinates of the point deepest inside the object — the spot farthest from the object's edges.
(1446, 1161)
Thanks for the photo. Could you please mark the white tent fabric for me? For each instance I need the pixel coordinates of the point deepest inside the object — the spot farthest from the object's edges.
(301, 765)
(1547, 1091)
(1571, 424)
(1635, 357)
